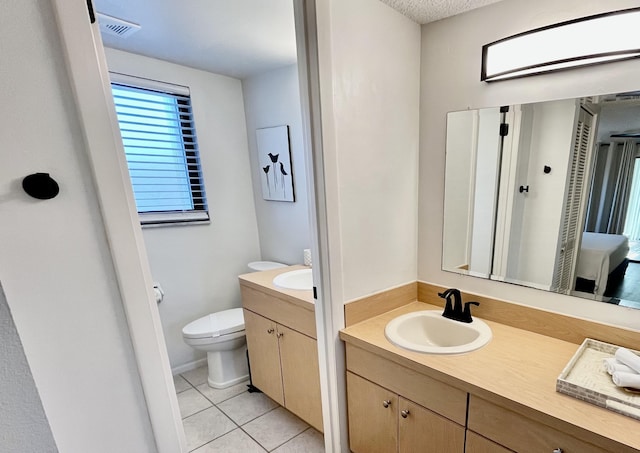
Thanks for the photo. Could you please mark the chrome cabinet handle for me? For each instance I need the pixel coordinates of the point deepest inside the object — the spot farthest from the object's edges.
(557, 450)
(404, 413)
(270, 330)
(279, 334)
(386, 403)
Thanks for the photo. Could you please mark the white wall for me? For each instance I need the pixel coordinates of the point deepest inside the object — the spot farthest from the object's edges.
(273, 99)
(23, 425)
(370, 108)
(198, 265)
(450, 81)
(55, 265)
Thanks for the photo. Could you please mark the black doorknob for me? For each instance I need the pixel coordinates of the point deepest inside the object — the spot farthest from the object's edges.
(40, 186)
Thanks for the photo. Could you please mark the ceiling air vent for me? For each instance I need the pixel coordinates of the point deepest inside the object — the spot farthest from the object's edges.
(116, 27)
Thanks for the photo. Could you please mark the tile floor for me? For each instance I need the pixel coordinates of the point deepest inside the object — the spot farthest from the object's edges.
(233, 420)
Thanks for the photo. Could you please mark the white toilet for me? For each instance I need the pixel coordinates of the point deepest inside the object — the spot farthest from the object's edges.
(222, 336)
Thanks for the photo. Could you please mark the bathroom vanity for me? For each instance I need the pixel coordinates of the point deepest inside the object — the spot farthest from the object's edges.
(281, 339)
(499, 398)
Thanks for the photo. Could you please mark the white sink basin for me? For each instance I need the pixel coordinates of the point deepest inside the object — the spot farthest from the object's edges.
(428, 331)
(300, 279)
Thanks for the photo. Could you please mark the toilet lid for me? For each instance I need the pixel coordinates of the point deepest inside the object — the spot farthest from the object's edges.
(215, 324)
(265, 265)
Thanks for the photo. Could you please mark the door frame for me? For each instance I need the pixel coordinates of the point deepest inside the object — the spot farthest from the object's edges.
(89, 78)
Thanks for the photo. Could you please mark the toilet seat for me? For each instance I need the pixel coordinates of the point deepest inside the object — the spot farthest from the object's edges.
(216, 324)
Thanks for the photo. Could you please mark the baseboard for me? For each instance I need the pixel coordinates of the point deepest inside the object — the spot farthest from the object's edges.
(189, 366)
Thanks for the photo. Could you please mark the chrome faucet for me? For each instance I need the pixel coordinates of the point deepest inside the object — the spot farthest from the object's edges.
(454, 310)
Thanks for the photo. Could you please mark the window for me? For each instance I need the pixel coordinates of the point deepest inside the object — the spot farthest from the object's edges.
(159, 138)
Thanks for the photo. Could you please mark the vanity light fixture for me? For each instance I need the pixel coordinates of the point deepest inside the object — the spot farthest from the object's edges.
(591, 40)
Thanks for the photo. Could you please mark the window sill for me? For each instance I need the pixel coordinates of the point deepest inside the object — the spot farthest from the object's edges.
(164, 219)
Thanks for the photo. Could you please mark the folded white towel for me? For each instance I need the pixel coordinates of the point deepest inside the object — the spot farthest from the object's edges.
(622, 379)
(611, 365)
(628, 358)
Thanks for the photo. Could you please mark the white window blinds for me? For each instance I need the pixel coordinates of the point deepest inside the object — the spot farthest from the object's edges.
(159, 138)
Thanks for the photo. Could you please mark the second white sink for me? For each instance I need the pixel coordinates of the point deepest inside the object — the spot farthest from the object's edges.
(300, 279)
(428, 331)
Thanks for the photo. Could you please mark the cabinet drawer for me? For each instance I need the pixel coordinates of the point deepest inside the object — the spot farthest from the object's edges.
(428, 392)
(520, 433)
(279, 310)
(478, 444)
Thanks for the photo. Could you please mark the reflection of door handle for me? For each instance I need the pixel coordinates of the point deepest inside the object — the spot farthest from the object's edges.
(524, 189)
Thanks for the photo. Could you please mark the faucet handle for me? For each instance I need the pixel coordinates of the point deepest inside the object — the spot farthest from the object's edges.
(466, 315)
(448, 307)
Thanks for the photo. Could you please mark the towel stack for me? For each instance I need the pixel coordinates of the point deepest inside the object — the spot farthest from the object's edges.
(624, 368)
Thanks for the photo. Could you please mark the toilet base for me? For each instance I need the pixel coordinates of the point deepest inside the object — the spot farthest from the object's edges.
(224, 385)
(227, 368)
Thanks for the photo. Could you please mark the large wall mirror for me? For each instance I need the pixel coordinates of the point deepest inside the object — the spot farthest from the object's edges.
(547, 195)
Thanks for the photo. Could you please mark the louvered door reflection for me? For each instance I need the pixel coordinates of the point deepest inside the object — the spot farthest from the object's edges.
(572, 217)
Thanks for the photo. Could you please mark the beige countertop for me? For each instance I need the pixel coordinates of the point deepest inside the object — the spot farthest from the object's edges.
(263, 281)
(517, 370)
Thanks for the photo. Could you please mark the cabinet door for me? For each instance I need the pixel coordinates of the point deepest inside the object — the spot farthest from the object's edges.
(300, 375)
(425, 431)
(373, 417)
(264, 357)
(478, 444)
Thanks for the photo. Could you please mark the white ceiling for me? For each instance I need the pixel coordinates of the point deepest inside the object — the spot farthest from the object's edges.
(238, 38)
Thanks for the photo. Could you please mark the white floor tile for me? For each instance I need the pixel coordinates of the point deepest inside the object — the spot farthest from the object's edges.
(237, 441)
(191, 401)
(205, 426)
(219, 395)
(180, 384)
(247, 406)
(197, 376)
(275, 428)
(310, 441)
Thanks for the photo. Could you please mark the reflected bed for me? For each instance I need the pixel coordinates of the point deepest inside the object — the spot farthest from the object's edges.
(602, 262)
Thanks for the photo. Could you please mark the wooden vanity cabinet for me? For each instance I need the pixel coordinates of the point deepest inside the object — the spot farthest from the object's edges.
(381, 421)
(373, 416)
(283, 360)
(264, 355)
(394, 409)
(300, 375)
(519, 433)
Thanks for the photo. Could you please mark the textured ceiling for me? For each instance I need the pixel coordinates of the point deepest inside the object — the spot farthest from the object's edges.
(238, 38)
(425, 11)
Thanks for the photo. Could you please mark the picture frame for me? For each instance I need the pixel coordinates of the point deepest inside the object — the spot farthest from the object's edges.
(274, 157)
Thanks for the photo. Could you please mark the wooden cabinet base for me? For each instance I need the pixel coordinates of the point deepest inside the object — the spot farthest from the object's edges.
(380, 421)
(284, 361)
(264, 356)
